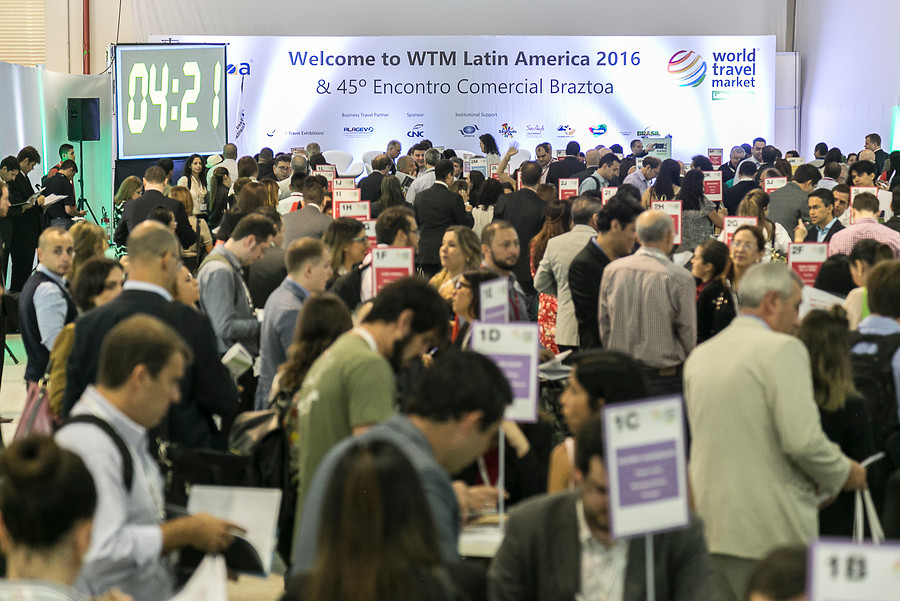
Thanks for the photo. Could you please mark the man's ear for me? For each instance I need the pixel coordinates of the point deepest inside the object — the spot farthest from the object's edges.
(404, 321)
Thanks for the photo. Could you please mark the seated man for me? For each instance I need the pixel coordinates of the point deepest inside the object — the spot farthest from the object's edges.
(142, 361)
(781, 576)
(553, 540)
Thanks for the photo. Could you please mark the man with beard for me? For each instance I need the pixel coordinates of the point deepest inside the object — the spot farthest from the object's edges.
(351, 387)
(500, 247)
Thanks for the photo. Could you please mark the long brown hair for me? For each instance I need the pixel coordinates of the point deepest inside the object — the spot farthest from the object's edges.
(558, 221)
(377, 539)
(826, 335)
(322, 319)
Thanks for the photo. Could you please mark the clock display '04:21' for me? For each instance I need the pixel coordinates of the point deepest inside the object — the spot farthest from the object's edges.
(159, 96)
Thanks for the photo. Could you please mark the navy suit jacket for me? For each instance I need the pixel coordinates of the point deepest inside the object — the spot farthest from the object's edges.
(207, 388)
(137, 210)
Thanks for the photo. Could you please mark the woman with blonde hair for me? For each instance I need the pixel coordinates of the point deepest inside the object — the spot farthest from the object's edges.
(88, 241)
(272, 193)
(347, 242)
(460, 251)
(190, 256)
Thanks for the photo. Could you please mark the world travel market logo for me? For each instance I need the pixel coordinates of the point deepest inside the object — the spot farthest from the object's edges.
(687, 68)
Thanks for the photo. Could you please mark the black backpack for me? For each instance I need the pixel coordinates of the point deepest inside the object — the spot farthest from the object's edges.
(873, 377)
(127, 465)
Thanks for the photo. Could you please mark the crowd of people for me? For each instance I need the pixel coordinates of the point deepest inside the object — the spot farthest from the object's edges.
(232, 291)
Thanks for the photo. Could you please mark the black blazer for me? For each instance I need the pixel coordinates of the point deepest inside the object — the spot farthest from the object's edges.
(526, 212)
(137, 210)
(733, 196)
(437, 208)
(566, 167)
(370, 187)
(813, 236)
(207, 388)
(264, 276)
(585, 275)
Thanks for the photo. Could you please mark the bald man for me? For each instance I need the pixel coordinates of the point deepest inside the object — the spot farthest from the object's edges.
(647, 306)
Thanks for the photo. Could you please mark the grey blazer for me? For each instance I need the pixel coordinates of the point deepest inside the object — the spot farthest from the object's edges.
(540, 558)
(308, 222)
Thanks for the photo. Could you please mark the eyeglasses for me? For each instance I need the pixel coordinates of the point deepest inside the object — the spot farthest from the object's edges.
(747, 245)
(359, 239)
(461, 284)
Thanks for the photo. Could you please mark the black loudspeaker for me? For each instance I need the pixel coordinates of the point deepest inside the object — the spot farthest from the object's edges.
(84, 119)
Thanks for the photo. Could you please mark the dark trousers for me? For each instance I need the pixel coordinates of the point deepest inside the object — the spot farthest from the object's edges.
(666, 381)
(20, 231)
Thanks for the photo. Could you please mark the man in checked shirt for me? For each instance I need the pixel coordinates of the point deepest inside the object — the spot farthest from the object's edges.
(647, 306)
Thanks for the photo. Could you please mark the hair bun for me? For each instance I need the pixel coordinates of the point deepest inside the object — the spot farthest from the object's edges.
(33, 461)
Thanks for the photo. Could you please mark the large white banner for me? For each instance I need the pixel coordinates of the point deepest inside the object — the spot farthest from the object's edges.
(357, 93)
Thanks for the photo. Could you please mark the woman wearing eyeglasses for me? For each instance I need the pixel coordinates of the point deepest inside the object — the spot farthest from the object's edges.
(346, 239)
(466, 303)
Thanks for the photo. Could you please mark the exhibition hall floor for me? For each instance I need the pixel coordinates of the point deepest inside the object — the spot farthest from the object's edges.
(12, 401)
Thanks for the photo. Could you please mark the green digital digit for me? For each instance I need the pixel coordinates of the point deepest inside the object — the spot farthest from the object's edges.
(217, 87)
(138, 72)
(191, 69)
(158, 95)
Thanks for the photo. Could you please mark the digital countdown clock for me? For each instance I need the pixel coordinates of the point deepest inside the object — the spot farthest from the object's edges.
(170, 100)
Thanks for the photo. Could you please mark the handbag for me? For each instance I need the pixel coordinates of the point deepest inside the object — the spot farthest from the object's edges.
(865, 509)
(37, 417)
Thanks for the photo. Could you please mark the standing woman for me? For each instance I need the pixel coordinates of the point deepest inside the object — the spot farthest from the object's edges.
(845, 416)
(460, 251)
(47, 502)
(377, 539)
(667, 184)
(219, 200)
(194, 179)
(715, 298)
(347, 242)
(391, 196)
(558, 221)
(483, 201)
(129, 189)
(489, 147)
(747, 249)
(698, 214)
(191, 256)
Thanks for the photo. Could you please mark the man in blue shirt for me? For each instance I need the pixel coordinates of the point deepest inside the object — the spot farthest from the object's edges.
(142, 361)
(309, 269)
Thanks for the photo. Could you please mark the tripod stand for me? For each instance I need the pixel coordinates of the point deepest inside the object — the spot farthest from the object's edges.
(81, 200)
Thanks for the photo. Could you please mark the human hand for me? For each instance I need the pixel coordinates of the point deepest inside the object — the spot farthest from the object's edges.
(211, 534)
(857, 478)
(113, 594)
(512, 150)
(800, 231)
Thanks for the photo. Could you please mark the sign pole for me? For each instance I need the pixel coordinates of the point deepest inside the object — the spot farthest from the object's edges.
(501, 479)
(651, 577)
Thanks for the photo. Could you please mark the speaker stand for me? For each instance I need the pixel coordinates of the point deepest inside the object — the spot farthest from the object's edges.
(81, 200)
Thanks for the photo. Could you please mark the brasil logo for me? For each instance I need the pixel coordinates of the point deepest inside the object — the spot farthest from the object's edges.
(687, 68)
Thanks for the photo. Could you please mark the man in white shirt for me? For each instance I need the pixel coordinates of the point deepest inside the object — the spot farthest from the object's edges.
(142, 361)
(229, 161)
(756, 154)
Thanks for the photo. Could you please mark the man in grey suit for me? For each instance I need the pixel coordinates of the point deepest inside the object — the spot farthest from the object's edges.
(790, 202)
(552, 276)
(308, 222)
(551, 539)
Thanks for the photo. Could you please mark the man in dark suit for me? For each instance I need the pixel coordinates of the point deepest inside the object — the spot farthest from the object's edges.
(733, 196)
(207, 389)
(436, 209)
(789, 203)
(264, 276)
(137, 210)
(821, 214)
(370, 187)
(549, 539)
(21, 227)
(526, 212)
(567, 167)
(615, 238)
(310, 221)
